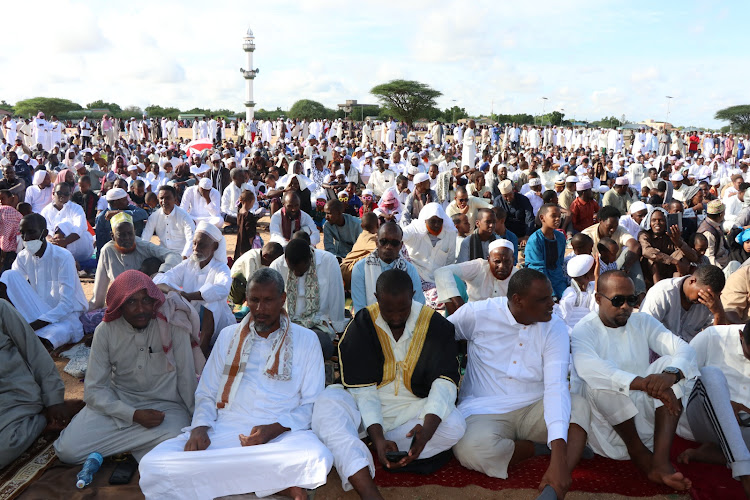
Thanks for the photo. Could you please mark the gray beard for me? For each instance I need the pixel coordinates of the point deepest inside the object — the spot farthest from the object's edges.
(262, 327)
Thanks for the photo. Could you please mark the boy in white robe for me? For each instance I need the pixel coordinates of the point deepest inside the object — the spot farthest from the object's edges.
(578, 299)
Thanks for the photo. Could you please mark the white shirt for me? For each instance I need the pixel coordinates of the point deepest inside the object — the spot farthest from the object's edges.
(426, 257)
(576, 304)
(175, 230)
(195, 204)
(230, 197)
(392, 405)
(720, 346)
(306, 224)
(480, 283)
(38, 198)
(71, 212)
(512, 366)
(331, 306)
(380, 181)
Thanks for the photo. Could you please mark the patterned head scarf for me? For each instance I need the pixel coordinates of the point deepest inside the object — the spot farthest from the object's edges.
(124, 286)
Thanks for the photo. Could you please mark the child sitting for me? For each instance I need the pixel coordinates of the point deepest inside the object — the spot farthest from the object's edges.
(578, 299)
(152, 202)
(545, 249)
(368, 203)
(461, 221)
(318, 215)
(247, 221)
(608, 250)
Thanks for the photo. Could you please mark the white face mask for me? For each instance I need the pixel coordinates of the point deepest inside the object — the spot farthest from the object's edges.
(33, 246)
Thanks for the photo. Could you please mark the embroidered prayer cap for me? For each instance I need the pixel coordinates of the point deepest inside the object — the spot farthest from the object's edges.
(121, 218)
(603, 188)
(580, 265)
(505, 187)
(676, 177)
(125, 286)
(715, 207)
(412, 171)
(116, 194)
(39, 177)
(500, 243)
(420, 177)
(621, 181)
(583, 185)
(536, 181)
(132, 168)
(205, 183)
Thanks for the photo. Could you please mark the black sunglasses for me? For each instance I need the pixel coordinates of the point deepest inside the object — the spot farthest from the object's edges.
(385, 241)
(619, 300)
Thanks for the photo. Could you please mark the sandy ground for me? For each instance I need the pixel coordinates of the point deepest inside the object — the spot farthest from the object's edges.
(332, 489)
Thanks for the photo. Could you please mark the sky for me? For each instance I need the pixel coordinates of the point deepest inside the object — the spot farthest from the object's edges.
(590, 58)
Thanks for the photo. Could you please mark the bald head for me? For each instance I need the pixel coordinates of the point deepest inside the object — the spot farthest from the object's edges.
(615, 283)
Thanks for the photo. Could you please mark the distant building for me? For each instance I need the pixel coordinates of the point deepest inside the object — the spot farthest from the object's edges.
(657, 125)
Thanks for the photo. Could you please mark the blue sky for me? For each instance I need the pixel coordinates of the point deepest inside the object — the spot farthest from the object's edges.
(590, 58)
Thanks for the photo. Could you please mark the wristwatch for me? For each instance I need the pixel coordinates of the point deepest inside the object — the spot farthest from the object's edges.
(673, 371)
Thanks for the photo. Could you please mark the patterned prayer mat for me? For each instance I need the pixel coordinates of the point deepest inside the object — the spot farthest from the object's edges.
(28, 467)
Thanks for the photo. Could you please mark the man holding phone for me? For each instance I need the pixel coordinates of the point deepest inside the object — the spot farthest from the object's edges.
(717, 414)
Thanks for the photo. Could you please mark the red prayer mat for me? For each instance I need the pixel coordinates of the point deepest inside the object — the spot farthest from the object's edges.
(598, 475)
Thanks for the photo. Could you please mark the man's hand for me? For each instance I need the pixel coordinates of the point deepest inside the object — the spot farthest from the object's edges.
(709, 299)
(148, 418)
(199, 439)
(675, 236)
(557, 474)
(165, 288)
(56, 415)
(683, 267)
(420, 435)
(657, 383)
(261, 434)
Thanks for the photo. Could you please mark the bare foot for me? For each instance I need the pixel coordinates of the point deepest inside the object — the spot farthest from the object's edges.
(668, 476)
(294, 492)
(707, 452)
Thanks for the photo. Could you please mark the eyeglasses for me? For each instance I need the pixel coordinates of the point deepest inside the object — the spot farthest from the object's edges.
(619, 300)
(462, 200)
(385, 242)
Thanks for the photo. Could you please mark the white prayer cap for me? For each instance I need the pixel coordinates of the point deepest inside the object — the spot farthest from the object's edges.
(637, 207)
(215, 157)
(505, 187)
(340, 172)
(571, 178)
(583, 185)
(676, 177)
(132, 168)
(205, 183)
(320, 194)
(420, 177)
(603, 188)
(116, 194)
(500, 243)
(25, 157)
(87, 150)
(368, 155)
(310, 137)
(560, 179)
(412, 171)
(39, 177)
(536, 181)
(367, 192)
(580, 265)
(357, 149)
(715, 181)
(209, 230)
(621, 181)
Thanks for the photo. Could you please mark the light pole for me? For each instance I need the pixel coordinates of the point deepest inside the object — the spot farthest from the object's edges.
(454, 111)
(669, 98)
(544, 104)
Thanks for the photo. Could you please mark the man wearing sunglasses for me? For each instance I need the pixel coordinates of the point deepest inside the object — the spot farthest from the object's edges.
(635, 405)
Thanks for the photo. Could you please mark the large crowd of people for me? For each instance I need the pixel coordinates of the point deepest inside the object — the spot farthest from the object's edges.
(493, 292)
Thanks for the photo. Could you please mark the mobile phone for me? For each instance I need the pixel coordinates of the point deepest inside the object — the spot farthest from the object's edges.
(744, 418)
(674, 220)
(395, 456)
(124, 471)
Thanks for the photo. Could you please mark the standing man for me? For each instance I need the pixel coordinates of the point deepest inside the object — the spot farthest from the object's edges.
(86, 129)
(469, 151)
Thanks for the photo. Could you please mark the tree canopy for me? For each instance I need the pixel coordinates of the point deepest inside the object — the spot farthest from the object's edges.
(306, 109)
(155, 111)
(48, 105)
(407, 100)
(100, 104)
(737, 116)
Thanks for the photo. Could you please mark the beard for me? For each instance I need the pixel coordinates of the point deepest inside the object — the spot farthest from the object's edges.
(197, 257)
(124, 249)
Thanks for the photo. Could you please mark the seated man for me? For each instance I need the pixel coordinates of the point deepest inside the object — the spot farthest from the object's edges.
(366, 243)
(67, 224)
(387, 255)
(315, 290)
(171, 224)
(515, 395)
(476, 245)
(484, 278)
(635, 404)
(203, 203)
(431, 243)
(711, 228)
(340, 230)
(420, 417)
(468, 205)
(204, 280)
(290, 219)
(39, 194)
(247, 264)
(126, 251)
(141, 379)
(117, 199)
(43, 286)
(735, 297)
(717, 409)
(33, 392)
(253, 407)
(699, 302)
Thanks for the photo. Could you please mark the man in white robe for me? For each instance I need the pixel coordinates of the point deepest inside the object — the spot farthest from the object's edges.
(203, 132)
(253, 409)
(635, 405)
(196, 129)
(39, 194)
(469, 152)
(43, 286)
(67, 224)
(204, 279)
(296, 220)
(203, 203)
(40, 131)
(484, 278)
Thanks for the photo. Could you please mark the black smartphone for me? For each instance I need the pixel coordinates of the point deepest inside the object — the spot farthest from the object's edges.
(674, 220)
(395, 456)
(124, 471)
(744, 418)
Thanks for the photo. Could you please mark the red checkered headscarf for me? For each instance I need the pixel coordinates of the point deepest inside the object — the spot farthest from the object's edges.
(124, 286)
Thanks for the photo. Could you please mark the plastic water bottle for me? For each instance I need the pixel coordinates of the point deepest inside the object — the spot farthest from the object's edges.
(90, 466)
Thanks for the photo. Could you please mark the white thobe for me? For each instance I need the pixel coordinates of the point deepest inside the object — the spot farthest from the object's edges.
(469, 152)
(38, 198)
(295, 458)
(213, 282)
(231, 196)
(71, 219)
(212, 126)
(195, 130)
(48, 288)
(575, 304)
(175, 230)
(55, 132)
(607, 360)
(199, 209)
(330, 285)
(39, 132)
(426, 256)
(379, 181)
(203, 129)
(480, 283)
(306, 224)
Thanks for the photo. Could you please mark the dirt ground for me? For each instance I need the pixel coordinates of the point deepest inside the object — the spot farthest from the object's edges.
(332, 489)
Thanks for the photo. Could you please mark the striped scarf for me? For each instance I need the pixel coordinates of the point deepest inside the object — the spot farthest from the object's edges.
(312, 294)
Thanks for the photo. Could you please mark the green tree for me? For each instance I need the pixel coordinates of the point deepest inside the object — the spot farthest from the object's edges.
(131, 111)
(608, 122)
(453, 114)
(407, 100)
(737, 116)
(5, 106)
(48, 105)
(155, 111)
(306, 109)
(100, 104)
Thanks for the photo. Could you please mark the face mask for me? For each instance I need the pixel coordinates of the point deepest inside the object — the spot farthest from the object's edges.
(33, 246)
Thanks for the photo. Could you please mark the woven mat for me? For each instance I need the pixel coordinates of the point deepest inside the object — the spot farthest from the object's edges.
(27, 468)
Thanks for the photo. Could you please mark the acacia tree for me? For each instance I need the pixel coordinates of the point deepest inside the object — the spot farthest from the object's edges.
(306, 109)
(49, 105)
(738, 116)
(407, 100)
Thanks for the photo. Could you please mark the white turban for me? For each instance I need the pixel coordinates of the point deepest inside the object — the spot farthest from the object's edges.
(39, 177)
(500, 243)
(215, 234)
